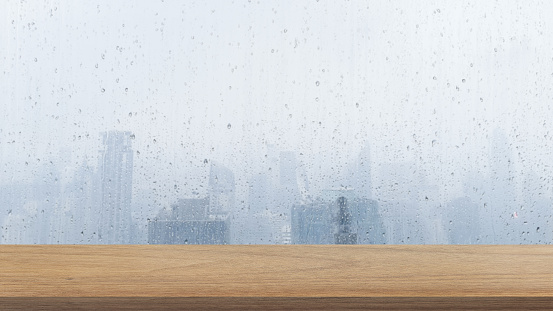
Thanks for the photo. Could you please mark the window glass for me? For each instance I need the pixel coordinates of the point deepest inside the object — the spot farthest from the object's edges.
(276, 122)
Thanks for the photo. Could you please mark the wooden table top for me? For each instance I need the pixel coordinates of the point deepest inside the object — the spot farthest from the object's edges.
(323, 274)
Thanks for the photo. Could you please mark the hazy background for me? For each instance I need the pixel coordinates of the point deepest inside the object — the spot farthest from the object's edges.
(423, 83)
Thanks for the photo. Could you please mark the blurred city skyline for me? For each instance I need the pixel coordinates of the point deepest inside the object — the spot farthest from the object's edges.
(452, 99)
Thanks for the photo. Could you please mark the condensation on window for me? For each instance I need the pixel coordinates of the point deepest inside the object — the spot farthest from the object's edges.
(276, 122)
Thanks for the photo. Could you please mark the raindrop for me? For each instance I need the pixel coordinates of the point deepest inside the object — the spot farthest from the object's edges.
(103, 90)
(132, 136)
(130, 114)
(126, 89)
(434, 78)
(317, 83)
(36, 60)
(229, 126)
(357, 105)
(205, 161)
(463, 80)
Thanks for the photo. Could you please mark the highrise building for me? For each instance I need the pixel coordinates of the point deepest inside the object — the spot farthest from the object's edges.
(115, 171)
(344, 224)
(312, 224)
(187, 222)
(198, 221)
(320, 221)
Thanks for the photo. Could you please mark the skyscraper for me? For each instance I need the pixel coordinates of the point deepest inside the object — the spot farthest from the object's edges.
(344, 222)
(115, 171)
(186, 222)
(337, 216)
(312, 223)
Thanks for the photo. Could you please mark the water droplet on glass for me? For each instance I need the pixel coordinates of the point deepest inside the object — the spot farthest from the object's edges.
(434, 78)
(36, 60)
(103, 90)
(229, 126)
(317, 83)
(463, 80)
(357, 105)
(132, 136)
(130, 114)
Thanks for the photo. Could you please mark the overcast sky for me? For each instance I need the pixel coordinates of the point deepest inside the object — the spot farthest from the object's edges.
(420, 81)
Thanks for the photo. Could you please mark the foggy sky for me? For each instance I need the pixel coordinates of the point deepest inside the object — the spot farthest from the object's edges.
(422, 82)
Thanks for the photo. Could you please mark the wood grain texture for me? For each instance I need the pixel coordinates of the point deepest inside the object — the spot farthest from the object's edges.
(278, 303)
(266, 272)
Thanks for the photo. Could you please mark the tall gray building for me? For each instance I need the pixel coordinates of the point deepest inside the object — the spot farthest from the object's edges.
(343, 221)
(319, 222)
(115, 172)
(187, 222)
(312, 224)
